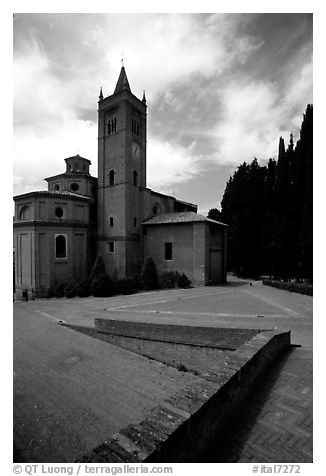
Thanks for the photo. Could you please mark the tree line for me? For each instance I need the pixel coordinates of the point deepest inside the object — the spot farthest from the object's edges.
(269, 210)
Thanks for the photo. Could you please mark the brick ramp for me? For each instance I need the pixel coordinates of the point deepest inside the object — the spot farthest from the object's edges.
(181, 428)
(184, 357)
(222, 338)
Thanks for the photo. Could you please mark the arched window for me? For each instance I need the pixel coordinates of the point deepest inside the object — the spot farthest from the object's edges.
(60, 246)
(112, 125)
(111, 221)
(111, 177)
(25, 213)
(56, 187)
(156, 209)
(135, 178)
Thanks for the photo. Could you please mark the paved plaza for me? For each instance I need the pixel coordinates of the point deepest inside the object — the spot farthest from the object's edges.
(63, 377)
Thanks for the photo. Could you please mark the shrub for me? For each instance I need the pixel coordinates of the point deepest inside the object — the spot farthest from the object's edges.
(50, 292)
(300, 288)
(137, 283)
(168, 279)
(100, 283)
(149, 274)
(83, 289)
(125, 286)
(98, 267)
(59, 290)
(70, 289)
(183, 281)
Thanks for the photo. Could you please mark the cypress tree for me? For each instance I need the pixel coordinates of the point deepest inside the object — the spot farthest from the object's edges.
(269, 211)
(149, 274)
(304, 158)
(214, 214)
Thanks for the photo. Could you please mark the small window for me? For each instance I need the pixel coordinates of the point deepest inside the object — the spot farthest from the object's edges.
(56, 187)
(135, 178)
(74, 187)
(112, 126)
(111, 246)
(168, 251)
(59, 212)
(111, 177)
(156, 209)
(60, 246)
(135, 127)
(111, 221)
(25, 213)
(135, 221)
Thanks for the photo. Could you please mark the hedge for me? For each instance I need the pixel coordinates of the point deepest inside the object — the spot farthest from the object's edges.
(301, 288)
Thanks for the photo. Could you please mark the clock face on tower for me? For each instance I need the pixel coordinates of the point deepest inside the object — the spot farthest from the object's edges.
(135, 150)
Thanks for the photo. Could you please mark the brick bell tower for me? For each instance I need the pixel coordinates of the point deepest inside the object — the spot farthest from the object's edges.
(121, 178)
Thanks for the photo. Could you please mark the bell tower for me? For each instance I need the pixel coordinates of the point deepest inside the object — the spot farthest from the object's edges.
(121, 178)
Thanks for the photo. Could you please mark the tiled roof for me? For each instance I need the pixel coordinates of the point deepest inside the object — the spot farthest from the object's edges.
(54, 192)
(71, 175)
(182, 217)
(77, 157)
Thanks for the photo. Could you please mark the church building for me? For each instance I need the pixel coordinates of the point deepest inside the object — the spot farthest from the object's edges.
(58, 232)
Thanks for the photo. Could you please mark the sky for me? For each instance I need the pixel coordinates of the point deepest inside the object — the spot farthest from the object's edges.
(221, 89)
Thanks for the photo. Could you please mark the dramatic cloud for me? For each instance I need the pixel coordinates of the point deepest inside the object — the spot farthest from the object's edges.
(251, 124)
(221, 88)
(170, 165)
(40, 156)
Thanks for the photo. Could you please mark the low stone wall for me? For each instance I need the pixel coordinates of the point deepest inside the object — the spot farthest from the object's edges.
(181, 429)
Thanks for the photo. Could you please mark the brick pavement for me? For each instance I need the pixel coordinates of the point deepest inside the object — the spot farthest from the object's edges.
(275, 424)
(72, 392)
(279, 414)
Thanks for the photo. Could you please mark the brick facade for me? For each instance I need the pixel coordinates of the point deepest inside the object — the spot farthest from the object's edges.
(112, 215)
